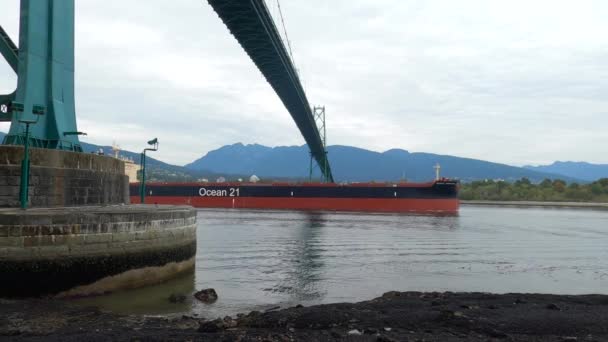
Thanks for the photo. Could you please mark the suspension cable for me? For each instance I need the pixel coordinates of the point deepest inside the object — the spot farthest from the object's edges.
(285, 32)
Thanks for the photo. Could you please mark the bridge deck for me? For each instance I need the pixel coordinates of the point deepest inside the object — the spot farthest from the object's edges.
(251, 24)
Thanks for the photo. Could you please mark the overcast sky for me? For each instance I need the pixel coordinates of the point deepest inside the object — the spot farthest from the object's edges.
(517, 82)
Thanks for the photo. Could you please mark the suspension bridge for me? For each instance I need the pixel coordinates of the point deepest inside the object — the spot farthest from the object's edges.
(44, 63)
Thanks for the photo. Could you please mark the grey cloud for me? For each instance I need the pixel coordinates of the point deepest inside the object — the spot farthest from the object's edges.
(513, 82)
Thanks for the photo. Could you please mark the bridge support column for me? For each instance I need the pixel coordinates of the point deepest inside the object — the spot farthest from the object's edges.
(45, 75)
(318, 113)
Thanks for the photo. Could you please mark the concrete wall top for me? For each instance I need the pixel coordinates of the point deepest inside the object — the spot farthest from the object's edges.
(97, 215)
(93, 250)
(12, 155)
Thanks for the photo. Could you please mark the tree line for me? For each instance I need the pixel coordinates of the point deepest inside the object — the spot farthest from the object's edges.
(524, 190)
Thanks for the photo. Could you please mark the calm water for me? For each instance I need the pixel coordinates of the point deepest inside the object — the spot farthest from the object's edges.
(261, 259)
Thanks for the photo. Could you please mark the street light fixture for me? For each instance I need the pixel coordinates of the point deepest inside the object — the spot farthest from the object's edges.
(24, 183)
(142, 187)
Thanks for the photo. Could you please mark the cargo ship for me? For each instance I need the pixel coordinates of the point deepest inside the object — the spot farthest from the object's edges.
(440, 195)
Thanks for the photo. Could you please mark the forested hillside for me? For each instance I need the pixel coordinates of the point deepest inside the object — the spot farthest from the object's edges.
(547, 190)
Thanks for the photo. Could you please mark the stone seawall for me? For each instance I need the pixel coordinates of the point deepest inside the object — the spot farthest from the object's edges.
(48, 251)
(61, 178)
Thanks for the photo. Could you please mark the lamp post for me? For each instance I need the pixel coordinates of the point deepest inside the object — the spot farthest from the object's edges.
(24, 182)
(142, 187)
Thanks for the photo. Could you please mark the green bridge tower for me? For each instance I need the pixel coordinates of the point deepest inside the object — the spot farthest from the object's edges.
(44, 63)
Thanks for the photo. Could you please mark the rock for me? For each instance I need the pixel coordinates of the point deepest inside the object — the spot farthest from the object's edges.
(387, 329)
(177, 298)
(299, 306)
(552, 306)
(229, 322)
(569, 338)
(10, 332)
(282, 322)
(211, 326)
(494, 333)
(336, 335)
(354, 332)
(206, 295)
(520, 301)
(382, 338)
(369, 331)
(445, 315)
(391, 294)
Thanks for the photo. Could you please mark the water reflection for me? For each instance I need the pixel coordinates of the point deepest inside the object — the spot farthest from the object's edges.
(444, 222)
(305, 260)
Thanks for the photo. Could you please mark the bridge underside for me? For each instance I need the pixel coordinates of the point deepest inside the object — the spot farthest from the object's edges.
(251, 24)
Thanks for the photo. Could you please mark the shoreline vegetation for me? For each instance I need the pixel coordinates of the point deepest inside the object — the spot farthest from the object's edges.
(522, 204)
(524, 192)
(395, 316)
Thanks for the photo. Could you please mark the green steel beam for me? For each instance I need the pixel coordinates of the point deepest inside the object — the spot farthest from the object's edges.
(9, 50)
(45, 75)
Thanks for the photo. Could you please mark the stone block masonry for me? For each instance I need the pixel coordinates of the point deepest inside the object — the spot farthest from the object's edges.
(61, 178)
(53, 250)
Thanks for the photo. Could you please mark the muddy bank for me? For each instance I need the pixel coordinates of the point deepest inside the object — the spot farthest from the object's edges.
(396, 316)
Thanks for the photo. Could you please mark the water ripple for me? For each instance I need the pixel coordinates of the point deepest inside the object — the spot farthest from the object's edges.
(258, 257)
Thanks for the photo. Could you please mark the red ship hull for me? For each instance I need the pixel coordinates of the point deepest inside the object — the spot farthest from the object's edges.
(427, 197)
(338, 204)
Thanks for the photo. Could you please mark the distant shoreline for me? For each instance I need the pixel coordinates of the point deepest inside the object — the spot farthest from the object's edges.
(588, 205)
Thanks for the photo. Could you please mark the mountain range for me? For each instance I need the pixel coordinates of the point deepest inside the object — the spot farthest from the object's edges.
(358, 165)
(581, 170)
(351, 164)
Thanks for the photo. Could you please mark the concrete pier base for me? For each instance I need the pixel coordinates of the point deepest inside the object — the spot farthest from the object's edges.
(75, 251)
(63, 179)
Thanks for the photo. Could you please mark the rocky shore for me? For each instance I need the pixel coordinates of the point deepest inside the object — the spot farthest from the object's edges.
(396, 316)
